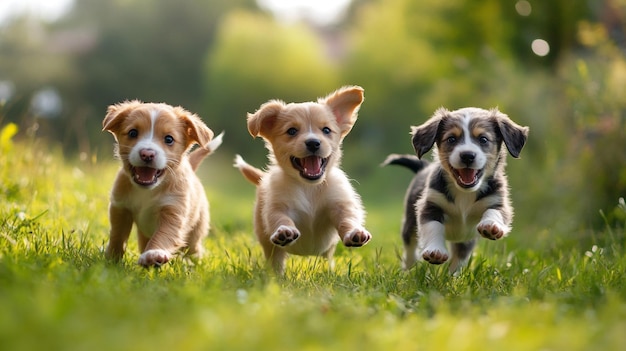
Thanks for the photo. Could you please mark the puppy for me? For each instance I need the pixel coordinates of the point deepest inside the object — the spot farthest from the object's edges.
(156, 188)
(305, 203)
(464, 191)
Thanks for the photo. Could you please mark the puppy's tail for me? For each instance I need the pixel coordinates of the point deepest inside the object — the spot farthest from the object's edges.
(411, 162)
(251, 173)
(197, 155)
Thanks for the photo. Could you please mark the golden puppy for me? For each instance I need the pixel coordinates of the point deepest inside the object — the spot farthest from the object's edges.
(305, 202)
(156, 188)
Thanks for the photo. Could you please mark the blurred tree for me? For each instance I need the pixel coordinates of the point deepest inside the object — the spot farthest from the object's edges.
(413, 57)
(113, 51)
(29, 62)
(256, 59)
(152, 51)
(596, 88)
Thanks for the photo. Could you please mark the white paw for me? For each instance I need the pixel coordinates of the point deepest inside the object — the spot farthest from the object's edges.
(435, 256)
(357, 237)
(491, 229)
(285, 235)
(155, 257)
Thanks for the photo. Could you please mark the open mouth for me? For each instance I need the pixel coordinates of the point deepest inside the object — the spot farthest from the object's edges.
(310, 167)
(145, 176)
(467, 177)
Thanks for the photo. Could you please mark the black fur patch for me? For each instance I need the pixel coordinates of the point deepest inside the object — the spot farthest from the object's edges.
(493, 187)
(439, 183)
(464, 249)
(431, 212)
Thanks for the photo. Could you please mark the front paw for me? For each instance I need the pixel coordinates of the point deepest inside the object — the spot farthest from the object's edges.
(435, 256)
(285, 235)
(357, 237)
(490, 229)
(154, 258)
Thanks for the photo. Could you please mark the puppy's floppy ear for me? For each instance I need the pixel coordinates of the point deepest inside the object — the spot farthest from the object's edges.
(345, 103)
(513, 135)
(424, 136)
(197, 131)
(116, 113)
(262, 121)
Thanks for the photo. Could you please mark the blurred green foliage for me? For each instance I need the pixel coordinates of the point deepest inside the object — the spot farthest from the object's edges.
(256, 59)
(223, 58)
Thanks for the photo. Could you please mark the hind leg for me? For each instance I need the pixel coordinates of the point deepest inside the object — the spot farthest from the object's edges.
(275, 255)
(200, 229)
(409, 237)
(277, 258)
(142, 241)
(460, 254)
(329, 254)
(194, 242)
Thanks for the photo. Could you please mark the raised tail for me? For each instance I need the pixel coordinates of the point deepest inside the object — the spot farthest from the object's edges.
(197, 155)
(252, 174)
(411, 162)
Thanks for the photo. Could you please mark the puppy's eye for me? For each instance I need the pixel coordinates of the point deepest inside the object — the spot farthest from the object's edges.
(169, 140)
(451, 140)
(326, 130)
(133, 133)
(292, 131)
(483, 140)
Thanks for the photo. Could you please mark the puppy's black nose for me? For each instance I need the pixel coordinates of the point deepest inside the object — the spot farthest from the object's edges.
(313, 144)
(147, 155)
(468, 158)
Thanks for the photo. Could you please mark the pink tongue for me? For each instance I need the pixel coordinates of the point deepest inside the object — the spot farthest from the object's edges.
(145, 174)
(467, 175)
(312, 165)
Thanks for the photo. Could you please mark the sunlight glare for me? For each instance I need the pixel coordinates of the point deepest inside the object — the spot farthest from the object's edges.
(48, 10)
(540, 47)
(322, 12)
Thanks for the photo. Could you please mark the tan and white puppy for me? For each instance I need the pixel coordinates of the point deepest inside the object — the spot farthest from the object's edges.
(157, 188)
(305, 203)
(464, 191)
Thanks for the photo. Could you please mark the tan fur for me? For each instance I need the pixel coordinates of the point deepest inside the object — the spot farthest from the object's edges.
(296, 211)
(464, 191)
(172, 213)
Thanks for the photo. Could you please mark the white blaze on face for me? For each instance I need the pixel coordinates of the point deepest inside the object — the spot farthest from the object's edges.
(149, 141)
(467, 145)
(467, 158)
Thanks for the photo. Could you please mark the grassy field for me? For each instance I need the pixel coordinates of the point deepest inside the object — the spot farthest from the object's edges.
(58, 293)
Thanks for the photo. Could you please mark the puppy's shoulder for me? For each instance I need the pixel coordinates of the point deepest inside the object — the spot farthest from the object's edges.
(433, 184)
(420, 181)
(122, 188)
(274, 176)
(276, 182)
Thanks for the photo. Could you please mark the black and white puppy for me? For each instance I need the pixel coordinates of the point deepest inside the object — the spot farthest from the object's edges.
(464, 191)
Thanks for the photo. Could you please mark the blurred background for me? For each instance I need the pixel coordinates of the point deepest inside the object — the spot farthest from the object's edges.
(558, 66)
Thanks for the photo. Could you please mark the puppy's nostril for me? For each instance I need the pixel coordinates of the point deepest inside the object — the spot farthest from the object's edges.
(468, 158)
(147, 155)
(312, 144)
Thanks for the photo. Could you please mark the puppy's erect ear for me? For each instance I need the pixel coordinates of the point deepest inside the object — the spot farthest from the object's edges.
(116, 113)
(345, 103)
(196, 129)
(424, 136)
(262, 121)
(514, 135)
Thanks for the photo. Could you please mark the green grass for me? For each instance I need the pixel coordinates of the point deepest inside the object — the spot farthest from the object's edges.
(58, 293)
